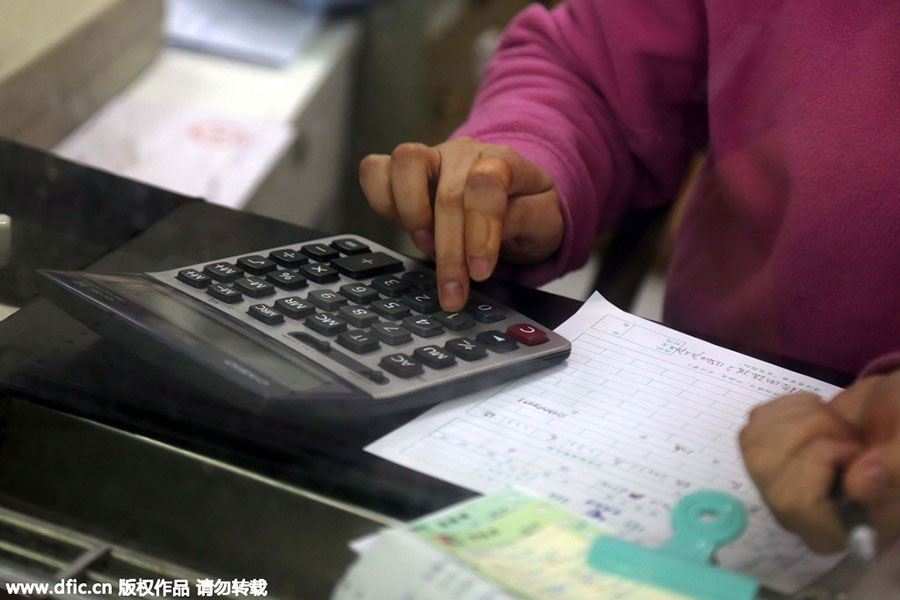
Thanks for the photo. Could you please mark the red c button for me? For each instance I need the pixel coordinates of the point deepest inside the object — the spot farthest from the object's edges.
(527, 334)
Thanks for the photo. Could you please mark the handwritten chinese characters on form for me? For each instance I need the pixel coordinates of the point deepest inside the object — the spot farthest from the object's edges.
(638, 416)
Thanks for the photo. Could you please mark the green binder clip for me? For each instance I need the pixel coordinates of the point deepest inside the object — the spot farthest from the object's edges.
(702, 521)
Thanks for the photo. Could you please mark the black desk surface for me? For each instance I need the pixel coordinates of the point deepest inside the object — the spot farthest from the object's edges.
(54, 360)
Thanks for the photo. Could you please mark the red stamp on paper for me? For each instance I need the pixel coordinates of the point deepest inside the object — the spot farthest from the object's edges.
(218, 133)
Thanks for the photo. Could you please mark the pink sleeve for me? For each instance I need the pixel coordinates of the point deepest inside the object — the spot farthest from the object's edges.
(608, 97)
(882, 365)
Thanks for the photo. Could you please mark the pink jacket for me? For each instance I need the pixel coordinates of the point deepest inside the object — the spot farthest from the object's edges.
(791, 241)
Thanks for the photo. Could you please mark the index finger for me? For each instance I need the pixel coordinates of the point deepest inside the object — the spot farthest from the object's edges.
(449, 229)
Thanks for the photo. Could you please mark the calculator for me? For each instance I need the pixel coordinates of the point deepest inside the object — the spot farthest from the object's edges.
(336, 324)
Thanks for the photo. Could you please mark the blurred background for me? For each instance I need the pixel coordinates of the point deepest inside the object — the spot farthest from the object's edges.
(260, 105)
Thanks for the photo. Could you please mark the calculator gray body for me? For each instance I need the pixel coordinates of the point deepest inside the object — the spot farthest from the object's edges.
(349, 378)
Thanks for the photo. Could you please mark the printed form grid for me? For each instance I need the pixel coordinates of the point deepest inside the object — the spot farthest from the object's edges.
(636, 418)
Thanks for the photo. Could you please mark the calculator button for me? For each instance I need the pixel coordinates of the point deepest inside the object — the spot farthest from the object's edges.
(193, 278)
(266, 314)
(326, 299)
(497, 341)
(434, 356)
(295, 307)
(224, 293)
(325, 323)
(254, 287)
(287, 280)
(401, 365)
(456, 321)
(422, 302)
(321, 252)
(466, 348)
(288, 258)
(423, 326)
(350, 246)
(390, 309)
(319, 273)
(358, 316)
(527, 334)
(358, 341)
(485, 312)
(391, 333)
(421, 280)
(222, 271)
(359, 293)
(390, 285)
(362, 266)
(258, 265)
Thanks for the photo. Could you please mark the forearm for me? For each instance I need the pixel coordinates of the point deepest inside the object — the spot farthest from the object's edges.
(604, 97)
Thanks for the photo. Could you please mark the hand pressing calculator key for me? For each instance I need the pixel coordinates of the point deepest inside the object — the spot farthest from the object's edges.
(333, 324)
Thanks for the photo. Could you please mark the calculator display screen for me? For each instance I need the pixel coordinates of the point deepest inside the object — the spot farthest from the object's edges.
(200, 331)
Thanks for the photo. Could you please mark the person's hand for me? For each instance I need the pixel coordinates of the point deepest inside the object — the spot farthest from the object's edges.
(872, 405)
(468, 203)
(796, 446)
(793, 447)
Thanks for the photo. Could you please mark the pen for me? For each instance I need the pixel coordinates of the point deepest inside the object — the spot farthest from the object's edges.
(861, 536)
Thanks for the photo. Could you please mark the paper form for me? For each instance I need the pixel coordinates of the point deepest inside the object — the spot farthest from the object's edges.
(398, 564)
(638, 416)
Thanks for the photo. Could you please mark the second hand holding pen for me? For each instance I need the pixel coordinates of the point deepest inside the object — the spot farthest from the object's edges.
(861, 537)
